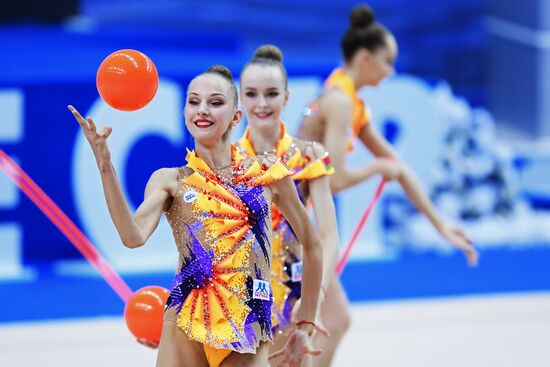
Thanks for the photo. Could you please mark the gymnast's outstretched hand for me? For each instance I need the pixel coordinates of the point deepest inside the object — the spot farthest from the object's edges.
(298, 345)
(96, 138)
(456, 236)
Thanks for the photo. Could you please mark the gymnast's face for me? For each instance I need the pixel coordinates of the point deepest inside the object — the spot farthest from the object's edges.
(210, 109)
(379, 64)
(263, 95)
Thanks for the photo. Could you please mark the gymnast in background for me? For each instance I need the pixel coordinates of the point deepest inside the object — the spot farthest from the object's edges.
(337, 119)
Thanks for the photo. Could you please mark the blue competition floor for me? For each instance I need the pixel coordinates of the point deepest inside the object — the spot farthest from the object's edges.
(51, 296)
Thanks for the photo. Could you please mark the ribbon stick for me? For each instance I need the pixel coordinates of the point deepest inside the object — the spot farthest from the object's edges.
(64, 224)
(344, 259)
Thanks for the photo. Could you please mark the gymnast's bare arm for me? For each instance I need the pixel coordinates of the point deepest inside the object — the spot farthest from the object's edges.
(134, 230)
(380, 147)
(336, 109)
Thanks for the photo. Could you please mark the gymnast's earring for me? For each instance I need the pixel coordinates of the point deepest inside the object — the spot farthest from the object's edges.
(236, 118)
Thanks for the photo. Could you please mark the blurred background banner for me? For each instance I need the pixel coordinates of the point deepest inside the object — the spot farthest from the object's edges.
(467, 110)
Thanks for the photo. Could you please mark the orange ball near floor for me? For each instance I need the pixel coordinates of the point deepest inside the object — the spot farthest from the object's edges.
(127, 80)
(144, 313)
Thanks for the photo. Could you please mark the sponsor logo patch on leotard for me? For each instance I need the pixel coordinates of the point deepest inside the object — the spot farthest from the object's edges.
(261, 290)
(190, 196)
(296, 270)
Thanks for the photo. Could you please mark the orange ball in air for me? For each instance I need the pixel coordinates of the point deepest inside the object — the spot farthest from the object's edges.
(127, 80)
(144, 312)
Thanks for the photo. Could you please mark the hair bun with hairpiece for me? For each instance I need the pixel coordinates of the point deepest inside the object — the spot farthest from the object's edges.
(361, 16)
(221, 70)
(270, 52)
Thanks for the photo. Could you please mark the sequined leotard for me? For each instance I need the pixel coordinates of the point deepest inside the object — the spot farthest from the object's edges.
(306, 162)
(221, 293)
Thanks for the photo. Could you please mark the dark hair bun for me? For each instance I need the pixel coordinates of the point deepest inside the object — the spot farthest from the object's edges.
(269, 52)
(220, 70)
(361, 16)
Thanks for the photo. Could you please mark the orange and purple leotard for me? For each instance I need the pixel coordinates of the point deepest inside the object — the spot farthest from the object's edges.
(221, 293)
(306, 162)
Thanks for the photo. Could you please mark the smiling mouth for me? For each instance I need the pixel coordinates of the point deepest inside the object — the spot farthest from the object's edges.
(263, 115)
(203, 124)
